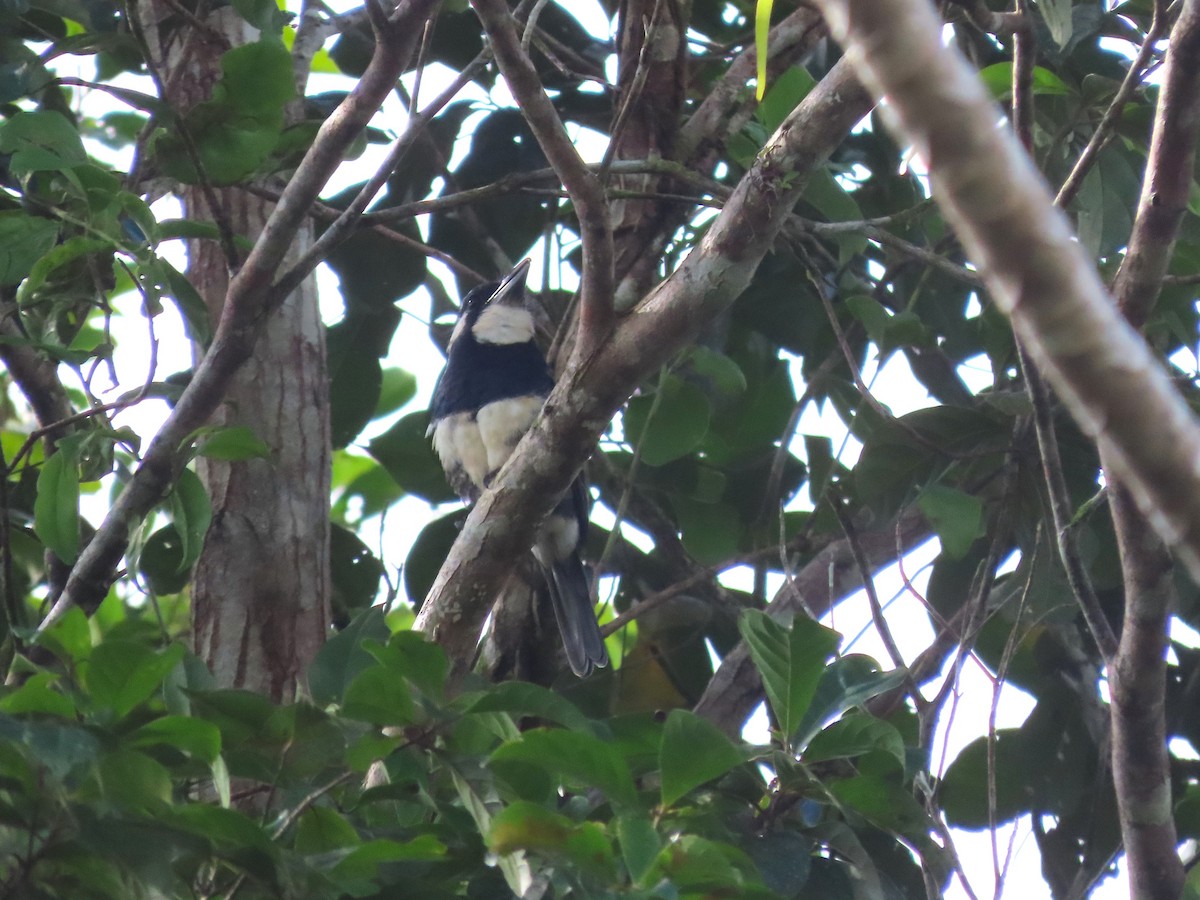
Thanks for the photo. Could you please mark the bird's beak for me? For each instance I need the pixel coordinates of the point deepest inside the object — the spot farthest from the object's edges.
(511, 291)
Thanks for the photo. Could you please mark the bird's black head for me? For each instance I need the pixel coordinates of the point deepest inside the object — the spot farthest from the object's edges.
(495, 313)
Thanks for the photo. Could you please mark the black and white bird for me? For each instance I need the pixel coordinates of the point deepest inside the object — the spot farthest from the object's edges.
(492, 388)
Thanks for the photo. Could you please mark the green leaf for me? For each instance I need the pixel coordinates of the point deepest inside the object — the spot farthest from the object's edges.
(120, 674)
(37, 695)
(264, 15)
(998, 79)
(725, 374)
(712, 532)
(407, 454)
(669, 424)
(790, 661)
(56, 509)
(195, 737)
(411, 655)
(68, 251)
(397, 389)
(579, 759)
(188, 300)
(784, 95)
(44, 140)
(355, 573)
(640, 844)
(527, 826)
(361, 864)
(256, 79)
(957, 517)
(342, 657)
(694, 751)
(427, 554)
(516, 871)
(846, 682)
(129, 778)
(191, 513)
(233, 834)
(964, 790)
(883, 802)
(24, 239)
(377, 696)
(322, 829)
(854, 736)
(160, 562)
(874, 317)
(520, 698)
(232, 444)
(57, 747)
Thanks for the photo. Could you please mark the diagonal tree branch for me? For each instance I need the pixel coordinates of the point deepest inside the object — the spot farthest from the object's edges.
(1037, 274)
(497, 531)
(583, 186)
(833, 573)
(249, 301)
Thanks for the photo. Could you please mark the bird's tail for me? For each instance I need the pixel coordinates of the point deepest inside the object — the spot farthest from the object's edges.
(571, 598)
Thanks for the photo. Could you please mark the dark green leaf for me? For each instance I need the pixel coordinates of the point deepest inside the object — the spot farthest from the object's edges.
(427, 554)
(122, 674)
(847, 682)
(790, 661)
(520, 698)
(233, 444)
(669, 424)
(639, 844)
(853, 736)
(694, 751)
(957, 517)
(407, 454)
(884, 802)
(44, 140)
(377, 696)
(195, 737)
(56, 510)
(24, 239)
(397, 389)
(355, 573)
(37, 695)
(526, 826)
(191, 513)
(132, 779)
(342, 657)
(579, 759)
(160, 562)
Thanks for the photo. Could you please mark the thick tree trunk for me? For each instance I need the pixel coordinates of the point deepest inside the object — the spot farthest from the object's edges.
(260, 590)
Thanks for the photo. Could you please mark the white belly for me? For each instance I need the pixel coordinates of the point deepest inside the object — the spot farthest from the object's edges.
(502, 424)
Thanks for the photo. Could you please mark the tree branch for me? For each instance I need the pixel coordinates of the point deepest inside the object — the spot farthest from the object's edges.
(736, 688)
(499, 528)
(246, 307)
(1137, 679)
(1037, 274)
(584, 188)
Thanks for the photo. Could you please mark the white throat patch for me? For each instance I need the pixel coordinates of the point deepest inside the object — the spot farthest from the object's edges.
(503, 324)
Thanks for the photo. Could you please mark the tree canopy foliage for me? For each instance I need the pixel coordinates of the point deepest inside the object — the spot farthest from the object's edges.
(749, 272)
